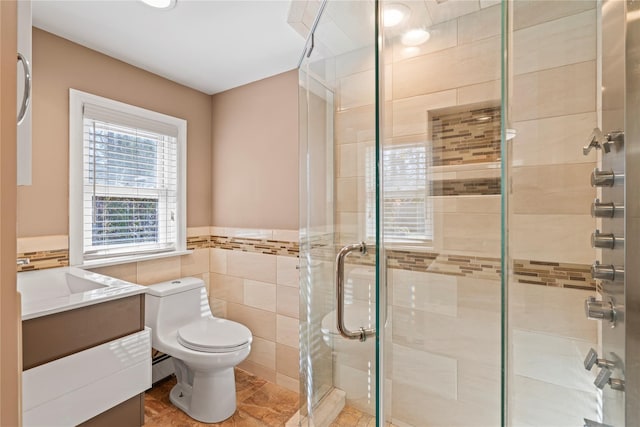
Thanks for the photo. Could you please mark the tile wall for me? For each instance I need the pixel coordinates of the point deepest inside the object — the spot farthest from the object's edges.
(446, 294)
(251, 276)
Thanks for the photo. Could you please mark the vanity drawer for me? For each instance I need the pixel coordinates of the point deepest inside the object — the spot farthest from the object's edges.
(54, 336)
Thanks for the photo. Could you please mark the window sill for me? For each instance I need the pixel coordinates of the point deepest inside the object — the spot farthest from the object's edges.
(106, 262)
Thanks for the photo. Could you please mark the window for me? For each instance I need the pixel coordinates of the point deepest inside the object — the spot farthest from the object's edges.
(127, 181)
(408, 216)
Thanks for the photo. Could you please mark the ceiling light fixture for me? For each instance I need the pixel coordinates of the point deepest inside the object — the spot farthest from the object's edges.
(415, 37)
(394, 14)
(160, 4)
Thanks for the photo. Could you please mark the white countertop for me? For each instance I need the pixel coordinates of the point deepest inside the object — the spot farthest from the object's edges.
(60, 289)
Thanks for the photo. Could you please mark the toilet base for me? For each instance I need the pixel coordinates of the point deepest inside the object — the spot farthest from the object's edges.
(210, 398)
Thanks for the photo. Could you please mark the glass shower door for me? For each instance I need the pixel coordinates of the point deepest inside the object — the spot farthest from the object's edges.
(338, 215)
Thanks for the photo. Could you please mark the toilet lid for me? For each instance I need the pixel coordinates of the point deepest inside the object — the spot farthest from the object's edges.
(214, 335)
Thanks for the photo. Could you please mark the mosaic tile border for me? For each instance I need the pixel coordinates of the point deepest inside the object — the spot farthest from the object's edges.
(541, 273)
(42, 260)
(263, 246)
(466, 187)
(556, 274)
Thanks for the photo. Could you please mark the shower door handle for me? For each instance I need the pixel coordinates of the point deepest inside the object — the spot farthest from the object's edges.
(362, 333)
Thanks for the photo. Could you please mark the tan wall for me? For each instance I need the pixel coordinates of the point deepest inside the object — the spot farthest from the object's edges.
(255, 155)
(10, 366)
(59, 65)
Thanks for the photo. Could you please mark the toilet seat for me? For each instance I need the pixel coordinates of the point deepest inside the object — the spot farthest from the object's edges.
(213, 335)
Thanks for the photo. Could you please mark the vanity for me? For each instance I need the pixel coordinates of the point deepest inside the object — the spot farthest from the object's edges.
(85, 350)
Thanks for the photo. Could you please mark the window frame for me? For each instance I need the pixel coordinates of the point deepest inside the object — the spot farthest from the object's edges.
(77, 101)
(425, 194)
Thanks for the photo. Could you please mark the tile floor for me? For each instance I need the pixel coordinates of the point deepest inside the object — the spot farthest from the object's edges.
(260, 404)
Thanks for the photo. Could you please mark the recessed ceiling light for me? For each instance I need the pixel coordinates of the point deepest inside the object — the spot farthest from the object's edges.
(394, 14)
(415, 37)
(160, 4)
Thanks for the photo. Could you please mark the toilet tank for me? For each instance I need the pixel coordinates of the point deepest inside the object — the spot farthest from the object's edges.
(175, 303)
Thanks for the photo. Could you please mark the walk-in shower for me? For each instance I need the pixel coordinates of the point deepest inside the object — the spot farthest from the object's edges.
(462, 245)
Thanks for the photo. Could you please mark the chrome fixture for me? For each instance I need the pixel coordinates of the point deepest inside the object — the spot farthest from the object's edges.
(600, 310)
(606, 272)
(23, 261)
(362, 333)
(606, 241)
(604, 378)
(26, 97)
(598, 140)
(606, 210)
(602, 178)
(590, 423)
(592, 359)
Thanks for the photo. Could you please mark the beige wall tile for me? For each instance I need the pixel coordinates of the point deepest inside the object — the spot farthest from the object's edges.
(347, 195)
(528, 13)
(263, 352)
(261, 323)
(450, 336)
(288, 301)
(287, 382)
(260, 295)
(258, 370)
(555, 43)
(555, 92)
(227, 288)
(482, 92)
(288, 331)
(410, 114)
(158, 270)
(479, 383)
(442, 36)
(127, 272)
(555, 238)
(218, 307)
(288, 361)
(555, 140)
(470, 233)
(347, 160)
(552, 359)
(286, 235)
(287, 271)
(357, 90)
(218, 260)
(434, 293)
(197, 262)
(430, 372)
(448, 69)
(253, 266)
(480, 25)
(355, 125)
(552, 189)
(445, 11)
(541, 404)
(551, 310)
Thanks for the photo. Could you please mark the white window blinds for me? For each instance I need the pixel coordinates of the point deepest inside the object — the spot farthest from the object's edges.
(408, 216)
(131, 183)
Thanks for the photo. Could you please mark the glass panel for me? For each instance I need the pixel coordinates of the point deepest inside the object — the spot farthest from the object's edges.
(441, 194)
(556, 99)
(338, 123)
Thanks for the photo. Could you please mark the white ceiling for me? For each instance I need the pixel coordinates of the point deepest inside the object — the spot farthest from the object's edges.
(208, 45)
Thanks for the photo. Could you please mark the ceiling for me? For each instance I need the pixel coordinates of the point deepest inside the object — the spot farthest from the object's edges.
(208, 45)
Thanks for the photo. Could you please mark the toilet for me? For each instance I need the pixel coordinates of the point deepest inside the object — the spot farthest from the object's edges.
(204, 349)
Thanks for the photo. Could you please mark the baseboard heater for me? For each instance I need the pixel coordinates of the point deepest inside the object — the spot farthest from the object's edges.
(161, 367)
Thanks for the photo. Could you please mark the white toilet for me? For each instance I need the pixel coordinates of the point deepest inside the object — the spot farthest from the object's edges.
(204, 349)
